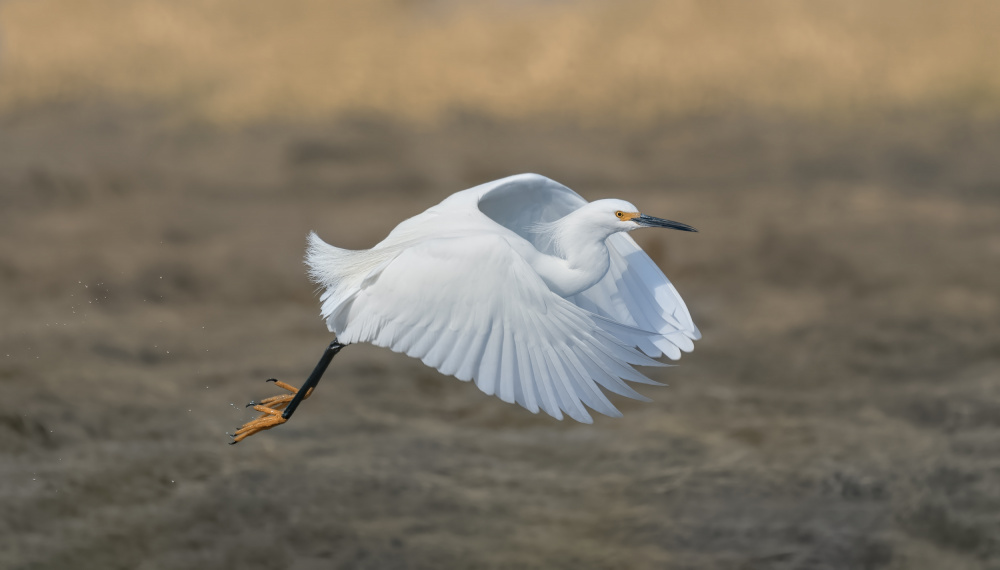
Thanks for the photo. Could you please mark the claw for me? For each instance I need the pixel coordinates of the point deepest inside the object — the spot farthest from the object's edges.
(270, 409)
(276, 410)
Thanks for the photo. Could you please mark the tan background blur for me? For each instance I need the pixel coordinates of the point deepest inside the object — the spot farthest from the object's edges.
(595, 62)
(162, 161)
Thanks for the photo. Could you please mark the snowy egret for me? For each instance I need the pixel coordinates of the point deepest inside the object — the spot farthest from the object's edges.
(520, 285)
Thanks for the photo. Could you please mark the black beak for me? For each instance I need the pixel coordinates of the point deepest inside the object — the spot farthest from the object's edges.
(651, 222)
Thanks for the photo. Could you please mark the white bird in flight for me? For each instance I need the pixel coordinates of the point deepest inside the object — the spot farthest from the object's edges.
(520, 285)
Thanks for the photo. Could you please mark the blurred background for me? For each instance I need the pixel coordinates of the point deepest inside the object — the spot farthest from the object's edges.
(161, 163)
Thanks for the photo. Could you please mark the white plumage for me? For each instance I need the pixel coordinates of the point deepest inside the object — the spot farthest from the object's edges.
(520, 285)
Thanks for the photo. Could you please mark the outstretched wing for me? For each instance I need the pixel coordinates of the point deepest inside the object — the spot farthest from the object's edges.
(634, 291)
(498, 325)
(637, 293)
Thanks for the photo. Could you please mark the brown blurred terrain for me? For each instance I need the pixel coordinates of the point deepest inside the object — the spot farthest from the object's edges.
(160, 166)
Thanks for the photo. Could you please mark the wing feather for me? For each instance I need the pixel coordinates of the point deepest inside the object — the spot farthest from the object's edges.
(470, 364)
(525, 388)
(637, 293)
(508, 367)
(546, 393)
(603, 376)
(489, 366)
(569, 400)
(459, 349)
(444, 343)
(586, 388)
(423, 343)
(500, 327)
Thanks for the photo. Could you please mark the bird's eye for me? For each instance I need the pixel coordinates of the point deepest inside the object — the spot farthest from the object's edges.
(620, 214)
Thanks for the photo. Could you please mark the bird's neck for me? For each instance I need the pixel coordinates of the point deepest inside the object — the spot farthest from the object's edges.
(581, 258)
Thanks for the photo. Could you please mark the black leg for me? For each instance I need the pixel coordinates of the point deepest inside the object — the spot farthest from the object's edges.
(271, 415)
(313, 379)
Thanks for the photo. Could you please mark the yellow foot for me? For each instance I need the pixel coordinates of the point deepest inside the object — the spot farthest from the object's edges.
(270, 409)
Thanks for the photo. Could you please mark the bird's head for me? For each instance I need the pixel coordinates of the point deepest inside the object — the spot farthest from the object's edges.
(621, 216)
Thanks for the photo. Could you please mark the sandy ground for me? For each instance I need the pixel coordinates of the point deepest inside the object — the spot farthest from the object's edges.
(842, 411)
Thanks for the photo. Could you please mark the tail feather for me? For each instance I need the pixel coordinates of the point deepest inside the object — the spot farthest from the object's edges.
(340, 272)
(323, 260)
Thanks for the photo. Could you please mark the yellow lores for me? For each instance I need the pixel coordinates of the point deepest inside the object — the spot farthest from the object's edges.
(626, 216)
